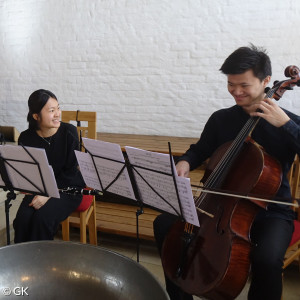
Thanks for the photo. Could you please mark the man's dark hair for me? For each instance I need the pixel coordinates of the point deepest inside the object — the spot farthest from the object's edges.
(248, 58)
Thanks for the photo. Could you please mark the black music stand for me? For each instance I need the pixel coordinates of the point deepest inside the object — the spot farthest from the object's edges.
(13, 166)
(104, 190)
(133, 171)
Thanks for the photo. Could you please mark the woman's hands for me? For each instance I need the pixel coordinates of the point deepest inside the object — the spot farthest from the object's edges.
(38, 201)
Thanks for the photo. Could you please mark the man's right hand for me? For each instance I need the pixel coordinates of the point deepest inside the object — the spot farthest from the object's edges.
(183, 168)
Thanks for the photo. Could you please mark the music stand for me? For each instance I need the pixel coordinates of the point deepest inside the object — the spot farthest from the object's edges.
(133, 169)
(135, 172)
(136, 167)
(21, 171)
(125, 167)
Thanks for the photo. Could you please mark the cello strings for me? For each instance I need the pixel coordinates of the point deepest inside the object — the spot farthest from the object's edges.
(229, 154)
(234, 148)
(227, 158)
(237, 143)
(223, 163)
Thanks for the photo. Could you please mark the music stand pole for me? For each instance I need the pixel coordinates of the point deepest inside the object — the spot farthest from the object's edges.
(140, 203)
(174, 180)
(11, 195)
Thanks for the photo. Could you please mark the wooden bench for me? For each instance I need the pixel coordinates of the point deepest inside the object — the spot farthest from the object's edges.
(155, 143)
(120, 219)
(117, 215)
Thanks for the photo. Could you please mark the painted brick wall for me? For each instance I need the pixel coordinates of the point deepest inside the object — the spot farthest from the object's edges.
(146, 67)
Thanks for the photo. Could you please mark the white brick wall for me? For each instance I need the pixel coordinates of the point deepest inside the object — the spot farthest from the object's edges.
(146, 66)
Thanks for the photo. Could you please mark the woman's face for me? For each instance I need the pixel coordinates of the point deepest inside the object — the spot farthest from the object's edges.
(49, 116)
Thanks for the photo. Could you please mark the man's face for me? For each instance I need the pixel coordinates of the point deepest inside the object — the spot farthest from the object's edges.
(245, 88)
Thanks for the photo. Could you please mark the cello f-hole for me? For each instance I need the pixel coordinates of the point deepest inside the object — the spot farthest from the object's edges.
(219, 230)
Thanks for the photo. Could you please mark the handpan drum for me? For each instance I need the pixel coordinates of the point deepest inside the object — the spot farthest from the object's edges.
(66, 270)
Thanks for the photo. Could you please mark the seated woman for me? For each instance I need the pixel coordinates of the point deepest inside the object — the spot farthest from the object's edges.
(38, 217)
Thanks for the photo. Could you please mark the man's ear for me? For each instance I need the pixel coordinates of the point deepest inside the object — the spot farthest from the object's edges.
(266, 80)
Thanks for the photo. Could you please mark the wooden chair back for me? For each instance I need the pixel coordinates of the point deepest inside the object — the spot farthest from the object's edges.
(86, 119)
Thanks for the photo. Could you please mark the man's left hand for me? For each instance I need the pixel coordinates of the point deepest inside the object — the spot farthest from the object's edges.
(271, 112)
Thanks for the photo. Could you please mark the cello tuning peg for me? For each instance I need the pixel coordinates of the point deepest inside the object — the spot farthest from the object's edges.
(288, 88)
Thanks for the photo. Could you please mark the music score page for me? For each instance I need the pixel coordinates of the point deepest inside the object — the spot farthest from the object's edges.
(156, 170)
(109, 163)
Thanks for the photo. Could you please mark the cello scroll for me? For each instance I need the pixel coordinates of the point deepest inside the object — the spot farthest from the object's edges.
(280, 87)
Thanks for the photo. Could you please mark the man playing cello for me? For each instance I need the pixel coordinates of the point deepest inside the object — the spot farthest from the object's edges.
(248, 71)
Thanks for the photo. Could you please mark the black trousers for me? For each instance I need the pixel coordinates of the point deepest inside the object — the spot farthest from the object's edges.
(42, 224)
(270, 238)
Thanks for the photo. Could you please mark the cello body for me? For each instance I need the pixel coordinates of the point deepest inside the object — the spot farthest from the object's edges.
(214, 263)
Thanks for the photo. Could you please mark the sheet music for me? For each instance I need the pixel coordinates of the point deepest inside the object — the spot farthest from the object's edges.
(104, 149)
(26, 166)
(107, 169)
(88, 170)
(162, 183)
(187, 200)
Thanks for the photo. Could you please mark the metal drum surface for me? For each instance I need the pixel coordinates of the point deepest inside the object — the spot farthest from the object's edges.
(66, 270)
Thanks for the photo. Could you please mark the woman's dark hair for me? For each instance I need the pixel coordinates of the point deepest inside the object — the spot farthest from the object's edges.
(36, 102)
(248, 58)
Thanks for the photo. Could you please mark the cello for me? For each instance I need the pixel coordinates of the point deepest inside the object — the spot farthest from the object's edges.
(213, 260)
